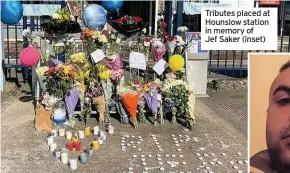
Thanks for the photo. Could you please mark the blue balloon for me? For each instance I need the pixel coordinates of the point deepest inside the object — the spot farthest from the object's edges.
(95, 17)
(113, 5)
(11, 12)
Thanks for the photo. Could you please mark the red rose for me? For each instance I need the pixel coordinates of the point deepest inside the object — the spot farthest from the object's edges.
(171, 38)
(51, 70)
(137, 19)
(124, 19)
(119, 21)
(41, 98)
(163, 25)
(164, 34)
(148, 39)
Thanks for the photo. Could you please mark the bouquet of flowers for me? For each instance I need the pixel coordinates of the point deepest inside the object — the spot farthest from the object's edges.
(99, 101)
(41, 71)
(60, 80)
(60, 23)
(96, 37)
(129, 25)
(158, 50)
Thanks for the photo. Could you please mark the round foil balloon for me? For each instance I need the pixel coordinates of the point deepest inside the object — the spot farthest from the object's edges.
(29, 57)
(95, 17)
(11, 12)
(112, 5)
(176, 62)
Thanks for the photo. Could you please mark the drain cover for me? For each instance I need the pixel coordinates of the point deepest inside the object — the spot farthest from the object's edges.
(237, 109)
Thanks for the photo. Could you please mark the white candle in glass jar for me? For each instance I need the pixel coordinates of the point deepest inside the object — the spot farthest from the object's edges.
(110, 129)
(61, 132)
(64, 158)
(81, 134)
(73, 164)
(96, 130)
(103, 135)
(68, 135)
(54, 133)
(52, 147)
(50, 140)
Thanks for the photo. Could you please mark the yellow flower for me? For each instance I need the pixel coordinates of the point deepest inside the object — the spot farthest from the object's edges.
(78, 57)
(105, 75)
(144, 30)
(55, 16)
(41, 70)
(102, 38)
(66, 69)
(146, 88)
(82, 87)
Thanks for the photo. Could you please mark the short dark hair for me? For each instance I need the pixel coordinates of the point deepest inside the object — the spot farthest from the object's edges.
(285, 66)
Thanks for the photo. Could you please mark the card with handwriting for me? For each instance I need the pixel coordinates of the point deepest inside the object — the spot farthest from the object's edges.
(98, 55)
(137, 60)
(160, 66)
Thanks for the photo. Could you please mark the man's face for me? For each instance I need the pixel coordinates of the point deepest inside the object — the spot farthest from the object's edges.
(278, 122)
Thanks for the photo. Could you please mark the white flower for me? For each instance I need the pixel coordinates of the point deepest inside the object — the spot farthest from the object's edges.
(171, 45)
(118, 40)
(144, 30)
(179, 41)
(182, 29)
(113, 36)
(157, 44)
(26, 32)
(60, 44)
(87, 99)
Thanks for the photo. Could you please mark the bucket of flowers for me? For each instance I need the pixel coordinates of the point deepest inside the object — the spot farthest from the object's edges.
(129, 25)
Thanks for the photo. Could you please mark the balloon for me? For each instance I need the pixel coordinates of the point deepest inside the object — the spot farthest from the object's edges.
(112, 5)
(11, 12)
(29, 57)
(95, 17)
(176, 62)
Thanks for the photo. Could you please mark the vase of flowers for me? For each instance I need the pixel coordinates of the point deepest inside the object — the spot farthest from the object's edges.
(59, 114)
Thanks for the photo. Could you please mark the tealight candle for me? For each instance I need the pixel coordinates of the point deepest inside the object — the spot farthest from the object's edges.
(87, 131)
(57, 153)
(75, 138)
(103, 135)
(77, 146)
(73, 164)
(52, 147)
(61, 132)
(64, 158)
(81, 134)
(70, 146)
(96, 130)
(68, 135)
(95, 145)
(110, 129)
(100, 140)
(50, 140)
(54, 133)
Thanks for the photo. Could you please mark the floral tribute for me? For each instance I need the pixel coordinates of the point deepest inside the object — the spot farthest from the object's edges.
(95, 75)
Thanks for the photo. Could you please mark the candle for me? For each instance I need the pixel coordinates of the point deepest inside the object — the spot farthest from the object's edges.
(70, 146)
(87, 131)
(50, 140)
(75, 138)
(68, 135)
(103, 135)
(52, 147)
(110, 129)
(73, 164)
(96, 130)
(64, 158)
(77, 146)
(57, 153)
(100, 140)
(91, 151)
(84, 158)
(54, 133)
(81, 134)
(95, 145)
(61, 132)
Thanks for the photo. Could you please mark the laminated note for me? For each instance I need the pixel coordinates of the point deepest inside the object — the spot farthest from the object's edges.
(160, 66)
(98, 55)
(137, 60)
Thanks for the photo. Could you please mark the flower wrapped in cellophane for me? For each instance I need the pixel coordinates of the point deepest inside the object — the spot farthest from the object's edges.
(158, 50)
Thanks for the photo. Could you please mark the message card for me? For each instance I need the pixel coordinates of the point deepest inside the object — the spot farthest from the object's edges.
(98, 55)
(137, 60)
(239, 28)
(160, 66)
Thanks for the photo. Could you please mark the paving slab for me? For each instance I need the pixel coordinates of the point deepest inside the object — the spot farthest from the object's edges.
(209, 147)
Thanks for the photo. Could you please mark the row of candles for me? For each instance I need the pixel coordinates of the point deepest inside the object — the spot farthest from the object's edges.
(75, 144)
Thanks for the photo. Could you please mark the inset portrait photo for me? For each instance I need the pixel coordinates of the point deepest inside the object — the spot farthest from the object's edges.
(269, 112)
